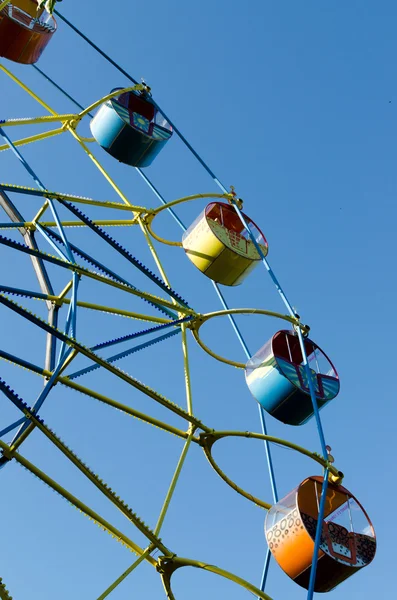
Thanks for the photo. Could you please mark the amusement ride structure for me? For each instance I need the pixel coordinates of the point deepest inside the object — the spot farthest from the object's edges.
(319, 533)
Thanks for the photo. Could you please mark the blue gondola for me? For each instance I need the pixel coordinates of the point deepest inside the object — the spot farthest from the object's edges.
(277, 378)
(131, 128)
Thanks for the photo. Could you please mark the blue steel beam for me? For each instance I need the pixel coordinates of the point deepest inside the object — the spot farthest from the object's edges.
(52, 259)
(123, 354)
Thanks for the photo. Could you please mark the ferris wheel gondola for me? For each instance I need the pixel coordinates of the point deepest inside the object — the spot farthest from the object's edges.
(25, 31)
(277, 378)
(218, 244)
(348, 541)
(130, 128)
(290, 376)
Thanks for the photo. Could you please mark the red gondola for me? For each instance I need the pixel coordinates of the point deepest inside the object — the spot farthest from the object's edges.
(25, 31)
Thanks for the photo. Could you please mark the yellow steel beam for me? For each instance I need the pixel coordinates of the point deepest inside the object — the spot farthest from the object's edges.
(37, 120)
(163, 207)
(152, 213)
(100, 223)
(122, 407)
(74, 501)
(168, 565)
(27, 90)
(137, 209)
(71, 384)
(102, 308)
(61, 297)
(71, 198)
(125, 574)
(207, 440)
(41, 211)
(148, 391)
(33, 138)
(135, 292)
(136, 88)
(95, 480)
(199, 322)
(174, 481)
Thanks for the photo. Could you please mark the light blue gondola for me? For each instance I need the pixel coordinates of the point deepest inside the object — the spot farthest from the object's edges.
(277, 378)
(131, 128)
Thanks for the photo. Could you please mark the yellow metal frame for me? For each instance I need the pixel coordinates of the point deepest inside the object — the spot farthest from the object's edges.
(33, 138)
(196, 325)
(168, 565)
(194, 431)
(151, 214)
(72, 198)
(207, 440)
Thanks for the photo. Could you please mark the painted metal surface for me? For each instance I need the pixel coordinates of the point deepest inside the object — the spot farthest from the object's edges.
(133, 138)
(313, 386)
(218, 245)
(277, 378)
(347, 543)
(24, 31)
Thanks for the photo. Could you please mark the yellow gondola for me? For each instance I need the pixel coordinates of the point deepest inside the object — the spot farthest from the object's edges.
(220, 247)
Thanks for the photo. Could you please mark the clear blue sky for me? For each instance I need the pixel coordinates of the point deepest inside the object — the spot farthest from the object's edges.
(294, 103)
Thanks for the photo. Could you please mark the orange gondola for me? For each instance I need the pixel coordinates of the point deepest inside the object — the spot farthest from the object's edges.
(348, 541)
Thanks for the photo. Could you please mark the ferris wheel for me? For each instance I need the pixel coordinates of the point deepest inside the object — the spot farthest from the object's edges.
(319, 533)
